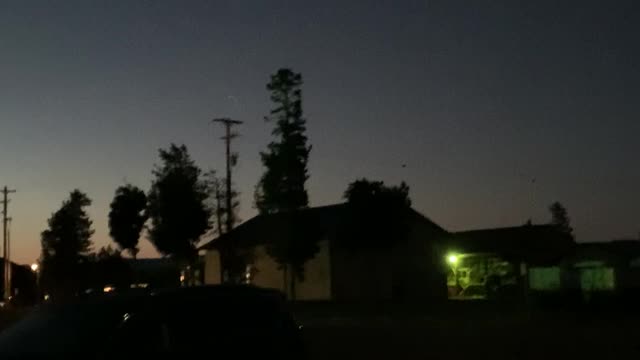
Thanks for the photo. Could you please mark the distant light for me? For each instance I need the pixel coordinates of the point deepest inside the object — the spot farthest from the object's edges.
(34, 267)
(452, 259)
(46, 297)
(108, 289)
(181, 278)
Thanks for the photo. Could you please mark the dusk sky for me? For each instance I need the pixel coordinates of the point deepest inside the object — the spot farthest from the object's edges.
(497, 108)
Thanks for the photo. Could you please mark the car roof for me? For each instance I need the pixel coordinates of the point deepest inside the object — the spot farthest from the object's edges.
(212, 290)
(204, 293)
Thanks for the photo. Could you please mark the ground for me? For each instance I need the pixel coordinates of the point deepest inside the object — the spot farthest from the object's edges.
(479, 332)
(464, 331)
(9, 316)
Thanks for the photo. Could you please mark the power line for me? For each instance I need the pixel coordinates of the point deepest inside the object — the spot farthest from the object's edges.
(5, 239)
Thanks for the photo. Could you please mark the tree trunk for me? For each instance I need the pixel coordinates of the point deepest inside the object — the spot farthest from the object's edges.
(221, 264)
(292, 285)
(285, 278)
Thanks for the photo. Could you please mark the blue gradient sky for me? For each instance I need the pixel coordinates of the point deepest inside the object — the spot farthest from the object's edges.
(477, 99)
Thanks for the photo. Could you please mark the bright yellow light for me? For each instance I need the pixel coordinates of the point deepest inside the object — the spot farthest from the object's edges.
(34, 267)
(108, 289)
(452, 259)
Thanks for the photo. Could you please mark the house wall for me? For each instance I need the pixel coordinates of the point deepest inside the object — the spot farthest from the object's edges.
(212, 274)
(361, 275)
(265, 273)
(411, 271)
(545, 278)
(629, 278)
(317, 280)
(595, 279)
(423, 265)
(316, 284)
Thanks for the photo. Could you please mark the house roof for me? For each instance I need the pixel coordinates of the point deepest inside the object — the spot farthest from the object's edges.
(152, 264)
(612, 252)
(260, 228)
(321, 222)
(531, 243)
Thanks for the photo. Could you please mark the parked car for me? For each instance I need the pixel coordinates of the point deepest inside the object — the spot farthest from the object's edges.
(238, 320)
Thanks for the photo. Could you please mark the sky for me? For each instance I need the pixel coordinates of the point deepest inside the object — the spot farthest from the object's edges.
(489, 110)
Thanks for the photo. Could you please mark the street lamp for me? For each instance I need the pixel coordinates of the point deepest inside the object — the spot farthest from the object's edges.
(35, 267)
(452, 259)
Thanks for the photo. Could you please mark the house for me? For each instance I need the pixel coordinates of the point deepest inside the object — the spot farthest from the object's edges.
(608, 269)
(23, 283)
(431, 264)
(413, 269)
(495, 262)
(618, 258)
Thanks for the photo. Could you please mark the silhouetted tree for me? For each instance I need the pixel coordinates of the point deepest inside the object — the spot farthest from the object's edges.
(377, 215)
(177, 204)
(282, 187)
(127, 217)
(560, 218)
(66, 244)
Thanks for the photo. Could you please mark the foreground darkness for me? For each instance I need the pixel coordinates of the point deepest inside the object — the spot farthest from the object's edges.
(463, 330)
(482, 331)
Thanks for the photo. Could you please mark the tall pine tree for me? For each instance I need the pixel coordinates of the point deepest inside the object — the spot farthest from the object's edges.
(66, 246)
(282, 188)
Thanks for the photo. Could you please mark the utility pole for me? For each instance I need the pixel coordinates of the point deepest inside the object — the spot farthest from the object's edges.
(219, 209)
(228, 124)
(225, 252)
(9, 269)
(5, 239)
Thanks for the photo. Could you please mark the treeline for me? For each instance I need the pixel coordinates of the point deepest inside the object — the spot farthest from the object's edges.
(175, 213)
(183, 205)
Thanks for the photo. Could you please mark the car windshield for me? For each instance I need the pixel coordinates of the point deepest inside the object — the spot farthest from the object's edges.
(442, 179)
(60, 329)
